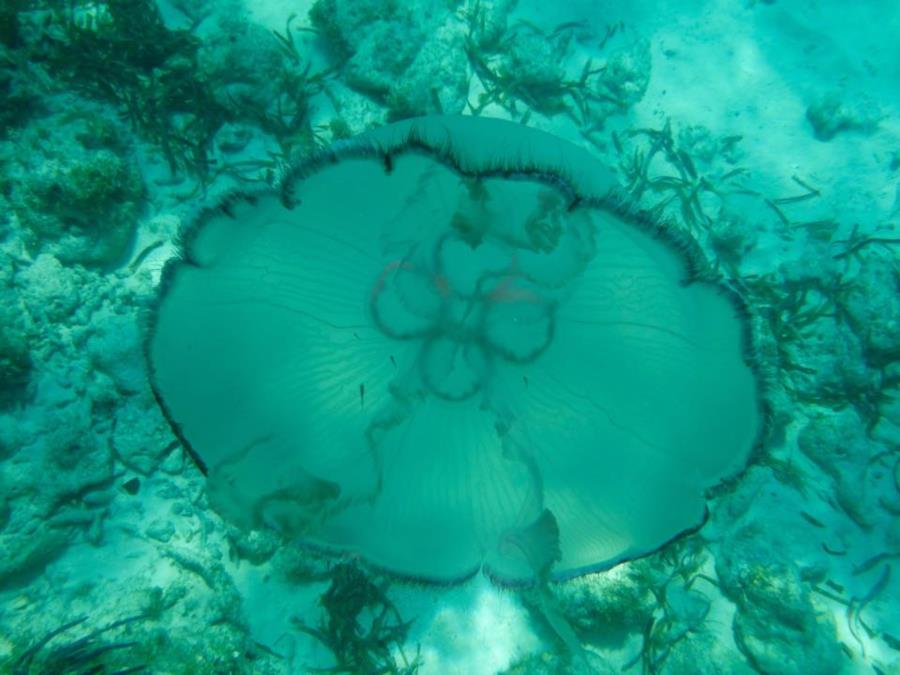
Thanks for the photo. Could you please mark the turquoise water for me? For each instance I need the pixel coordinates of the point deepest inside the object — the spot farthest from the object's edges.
(609, 386)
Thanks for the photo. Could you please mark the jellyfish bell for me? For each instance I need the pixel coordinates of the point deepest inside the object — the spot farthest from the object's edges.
(448, 345)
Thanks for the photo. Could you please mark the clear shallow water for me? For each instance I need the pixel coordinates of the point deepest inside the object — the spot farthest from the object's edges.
(764, 132)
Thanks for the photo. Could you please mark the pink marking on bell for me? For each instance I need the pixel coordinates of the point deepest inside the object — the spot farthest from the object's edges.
(442, 284)
(390, 267)
(506, 293)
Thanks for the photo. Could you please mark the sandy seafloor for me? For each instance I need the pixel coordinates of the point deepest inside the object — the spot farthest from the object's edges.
(788, 111)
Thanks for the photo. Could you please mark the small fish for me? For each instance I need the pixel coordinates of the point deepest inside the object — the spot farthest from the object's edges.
(891, 641)
(393, 360)
(811, 520)
(835, 585)
(362, 396)
(832, 551)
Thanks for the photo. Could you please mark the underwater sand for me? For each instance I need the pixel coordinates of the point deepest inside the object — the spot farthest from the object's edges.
(788, 113)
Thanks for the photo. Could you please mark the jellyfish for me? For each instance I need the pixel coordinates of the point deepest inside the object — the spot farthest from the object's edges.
(451, 345)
